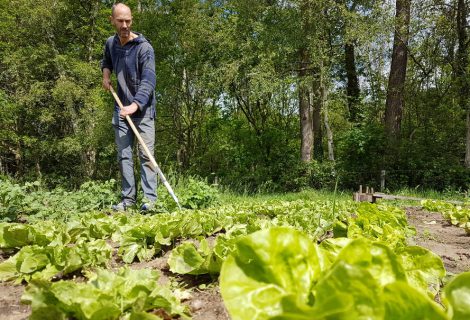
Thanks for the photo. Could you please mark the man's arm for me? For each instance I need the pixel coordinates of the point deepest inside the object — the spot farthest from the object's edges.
(107, 65)
(148, 78)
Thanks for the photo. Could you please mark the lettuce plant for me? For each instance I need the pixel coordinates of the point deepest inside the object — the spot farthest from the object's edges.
(126, 294)
(279, 273)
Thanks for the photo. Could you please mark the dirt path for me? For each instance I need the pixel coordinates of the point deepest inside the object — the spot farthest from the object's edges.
(10, 306)
(434, 233)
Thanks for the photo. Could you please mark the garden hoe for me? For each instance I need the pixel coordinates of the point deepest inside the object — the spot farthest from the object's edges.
(146, 150)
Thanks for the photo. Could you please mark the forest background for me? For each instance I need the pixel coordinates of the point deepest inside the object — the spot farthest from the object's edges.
(269, 95)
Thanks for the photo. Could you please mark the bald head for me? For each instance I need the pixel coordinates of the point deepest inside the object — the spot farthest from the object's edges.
(121, 19)
(118, 7)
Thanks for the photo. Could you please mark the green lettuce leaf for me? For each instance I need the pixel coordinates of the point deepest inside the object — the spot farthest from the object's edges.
(404, 302)
(457, 297)
(355, 287)
(107, 295)
(378, 259)
(185, 259)
(266, 267)
(424, 269)
(205, 258)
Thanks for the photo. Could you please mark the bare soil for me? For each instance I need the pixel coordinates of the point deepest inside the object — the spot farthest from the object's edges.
(433, 232)
(204, 299)
(10, 306)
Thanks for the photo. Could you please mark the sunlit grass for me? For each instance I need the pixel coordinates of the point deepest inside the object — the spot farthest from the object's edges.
(227, 197)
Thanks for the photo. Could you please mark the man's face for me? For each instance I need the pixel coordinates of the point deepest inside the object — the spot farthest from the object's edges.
(122, 21)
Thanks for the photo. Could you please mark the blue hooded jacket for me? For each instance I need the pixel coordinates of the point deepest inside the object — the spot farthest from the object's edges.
(134, 66)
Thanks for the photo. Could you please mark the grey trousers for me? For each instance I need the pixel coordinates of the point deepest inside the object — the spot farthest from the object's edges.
(125, 137)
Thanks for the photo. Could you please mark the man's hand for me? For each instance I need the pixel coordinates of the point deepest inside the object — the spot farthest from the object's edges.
(128, 110)
(106, 84)
(106, 79)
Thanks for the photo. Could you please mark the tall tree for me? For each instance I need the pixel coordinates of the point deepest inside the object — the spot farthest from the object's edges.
(305, 110)
(396, 83)
(352, 86)
(461, 70)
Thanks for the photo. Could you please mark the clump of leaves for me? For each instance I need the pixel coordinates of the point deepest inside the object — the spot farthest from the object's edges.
(38, 262)
(279, 273)
(33, 202)
(11, 200)
(126, 294)
(457, 215)
(192, 193)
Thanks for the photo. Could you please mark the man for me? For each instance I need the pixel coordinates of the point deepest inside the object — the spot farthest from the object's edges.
(130, 56)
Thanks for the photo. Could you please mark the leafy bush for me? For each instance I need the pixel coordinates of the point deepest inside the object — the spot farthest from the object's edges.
(32, 201)
(192, 193)
(357, 151)
(11, 200)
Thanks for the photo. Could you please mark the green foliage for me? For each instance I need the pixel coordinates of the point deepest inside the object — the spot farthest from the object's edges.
(192, 193)
(456, 215)
(382, 223)
(280, 274)
(207, 258)
(38, 262)
(456, 295)
(106, 295)
(359, 152)
(229, 74)
(11, 200)
(31, 201)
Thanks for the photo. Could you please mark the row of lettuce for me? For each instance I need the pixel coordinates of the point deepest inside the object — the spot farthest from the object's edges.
(457, 215)
(267, 255)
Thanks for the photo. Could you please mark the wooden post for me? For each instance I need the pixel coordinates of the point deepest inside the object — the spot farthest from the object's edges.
(382, 181)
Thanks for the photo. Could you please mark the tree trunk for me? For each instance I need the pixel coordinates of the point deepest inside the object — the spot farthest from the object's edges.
(306, 130)
(461, 71)
(316, 103)
(467, 142)
(396, 82)
(305, 112)
(89, 160)
(352, 87)
(317, 130)
(329, 135)
(329, 132)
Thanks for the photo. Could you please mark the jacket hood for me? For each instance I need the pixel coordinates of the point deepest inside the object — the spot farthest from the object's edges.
(140, 38)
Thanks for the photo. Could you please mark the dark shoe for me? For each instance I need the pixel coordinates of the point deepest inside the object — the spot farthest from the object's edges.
(148, 206)
(121, 206)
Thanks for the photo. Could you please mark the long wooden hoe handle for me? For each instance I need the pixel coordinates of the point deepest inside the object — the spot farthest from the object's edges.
(146, 149)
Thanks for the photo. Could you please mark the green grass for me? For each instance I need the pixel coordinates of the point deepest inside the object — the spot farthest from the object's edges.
(445, 195)
(228, 197)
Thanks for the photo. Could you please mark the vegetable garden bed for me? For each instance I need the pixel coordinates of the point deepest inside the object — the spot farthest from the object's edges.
(167, 266)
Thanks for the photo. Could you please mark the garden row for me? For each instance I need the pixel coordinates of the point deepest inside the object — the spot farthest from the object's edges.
(279, 259)
(456, 215)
